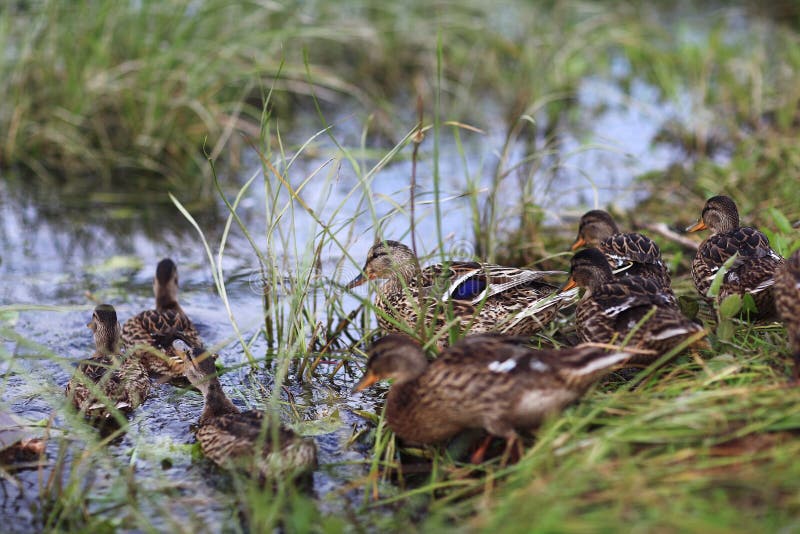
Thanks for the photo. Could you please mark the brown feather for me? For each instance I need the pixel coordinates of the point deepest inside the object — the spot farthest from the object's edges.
(787, 301)
(487, 381)
(753, 269)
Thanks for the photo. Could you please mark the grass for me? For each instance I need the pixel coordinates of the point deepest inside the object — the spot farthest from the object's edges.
(706, 443)
(147, 87)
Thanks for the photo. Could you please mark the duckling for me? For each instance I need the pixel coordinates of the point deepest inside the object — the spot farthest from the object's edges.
(632, 310)
(486, 381)
(247, 440)
(629, 254)
(141, 332)
(482, 297)
(787, 301)
(120, 379)
(753, 270)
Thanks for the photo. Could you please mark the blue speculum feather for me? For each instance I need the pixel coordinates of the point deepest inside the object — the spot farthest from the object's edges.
(469, 289)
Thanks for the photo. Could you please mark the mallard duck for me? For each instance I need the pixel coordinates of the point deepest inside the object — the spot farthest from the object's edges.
(633, 311)
(246, 440)
(109, 377)
(753, 270)
(629, 254)
(483, 297)
(486, 381)
(18, 444)
(787, 301)
(141, 332)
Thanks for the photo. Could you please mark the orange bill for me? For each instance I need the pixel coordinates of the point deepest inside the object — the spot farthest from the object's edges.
(366, 381)
(569, 285)
(578, 243)
(357, 281)
(699, 225)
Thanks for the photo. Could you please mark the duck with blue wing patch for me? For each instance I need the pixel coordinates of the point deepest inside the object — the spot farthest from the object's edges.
(490, 381)
(482, 297)
(753, 269)
(632, 310)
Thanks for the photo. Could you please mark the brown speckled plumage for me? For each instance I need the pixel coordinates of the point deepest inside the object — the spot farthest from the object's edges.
(752, 271)
(19, 442)
(122, 379)
(628, 254)
(246, 440)
(612, 308)
(489, 381)
(787, 301)
(141, 332)
(481, 297)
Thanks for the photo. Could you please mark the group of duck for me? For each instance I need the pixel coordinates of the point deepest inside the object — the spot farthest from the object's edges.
(628, 316)
(492, 378)
(163, 344)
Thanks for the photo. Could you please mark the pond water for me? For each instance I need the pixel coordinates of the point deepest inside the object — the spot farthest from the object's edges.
(61, 253)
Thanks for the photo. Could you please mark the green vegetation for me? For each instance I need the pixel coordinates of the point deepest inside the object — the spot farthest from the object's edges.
(136, 92)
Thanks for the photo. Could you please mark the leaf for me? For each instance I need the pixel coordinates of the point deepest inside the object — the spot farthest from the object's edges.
(318, 427)
(117, 263)
(689, 306)
(730, 306)
(369, 416)
(713, 290)
(9, 317)
(725, 330)
(749, 304)
(781, 221)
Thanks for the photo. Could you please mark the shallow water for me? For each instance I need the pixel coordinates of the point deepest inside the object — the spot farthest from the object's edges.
(67, 252)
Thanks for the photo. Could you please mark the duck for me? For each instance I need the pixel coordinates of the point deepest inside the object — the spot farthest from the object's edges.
(487, 381)
(120, 379)
(633, 310)
(787, 302)
(245, 440)
(753, 270)
(141, 333)
(477, 297)
(19, 444)
(629, 254)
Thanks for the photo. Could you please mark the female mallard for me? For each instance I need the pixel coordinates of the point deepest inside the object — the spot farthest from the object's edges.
(482, 297)
(488, 381)
(108, 378)
(629, 254)
(246, 440)
(18, 444)
(787, 301)
(753, 270)
(141, 332)
(634, 311)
